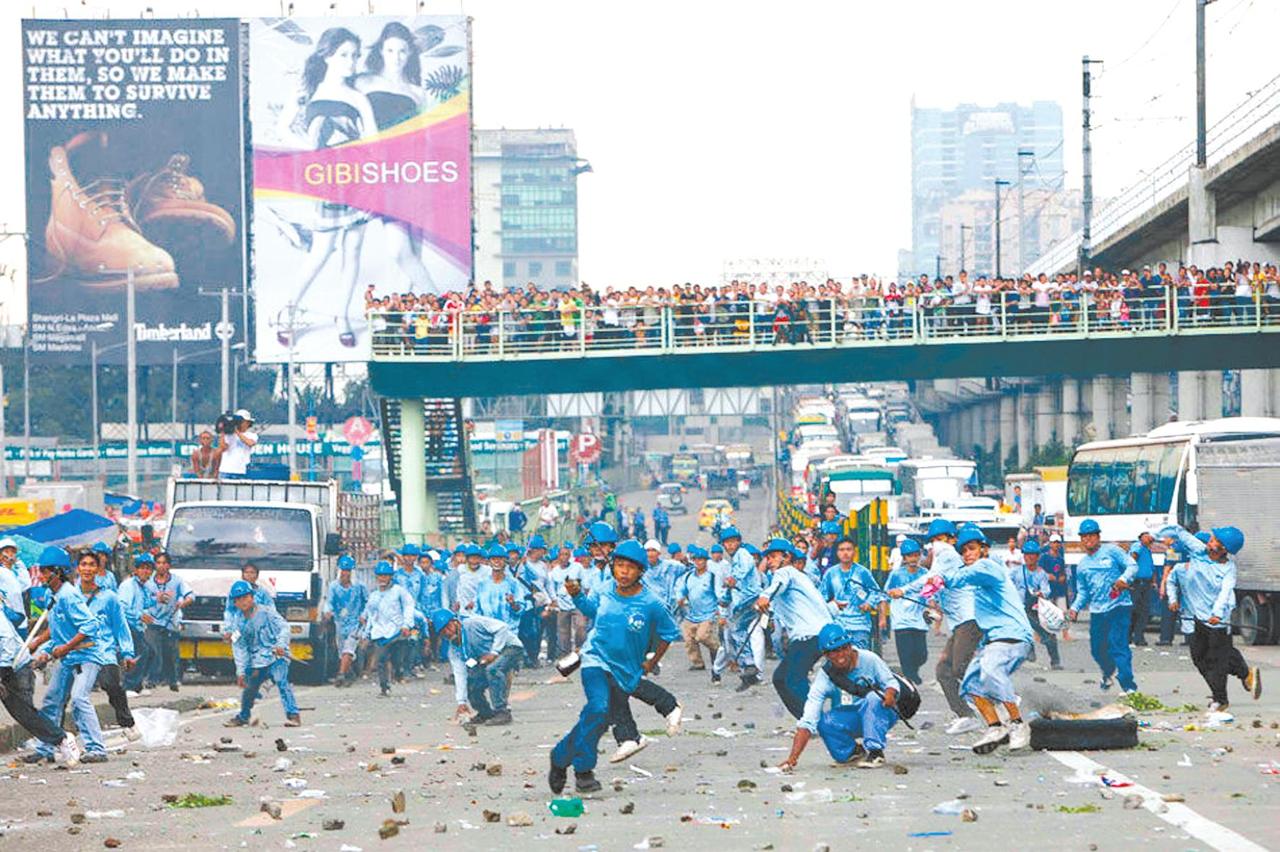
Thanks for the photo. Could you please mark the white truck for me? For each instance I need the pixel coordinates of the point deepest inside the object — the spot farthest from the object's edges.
(292, 531)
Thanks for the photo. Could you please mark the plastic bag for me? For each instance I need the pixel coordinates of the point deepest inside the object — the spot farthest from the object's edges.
(157, 725)
(1052, 618)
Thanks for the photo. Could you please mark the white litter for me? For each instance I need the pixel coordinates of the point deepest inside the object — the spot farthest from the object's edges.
(637, 770)
(1186, 760)
(294, 783)
(726, 733)
(104, 814)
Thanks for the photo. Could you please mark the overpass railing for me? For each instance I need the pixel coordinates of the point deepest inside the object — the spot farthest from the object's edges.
(472, 335)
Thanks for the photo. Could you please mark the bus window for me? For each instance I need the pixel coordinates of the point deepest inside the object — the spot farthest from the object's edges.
(1146, 479)
(1100, 498)
(1122, 483)
(1170, 463)
(1079, 476)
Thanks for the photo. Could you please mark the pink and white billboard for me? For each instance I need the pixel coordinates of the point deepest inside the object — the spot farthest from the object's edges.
(361, 133)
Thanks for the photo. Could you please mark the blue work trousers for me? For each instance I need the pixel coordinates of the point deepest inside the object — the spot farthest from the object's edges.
(1109, 644)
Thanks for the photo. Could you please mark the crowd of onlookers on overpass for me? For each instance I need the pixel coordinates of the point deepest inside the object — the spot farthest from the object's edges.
(532, 319)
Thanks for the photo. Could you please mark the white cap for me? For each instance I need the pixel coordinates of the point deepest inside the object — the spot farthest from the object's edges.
(244, 414)
(1054, 537)
(901, 538)
(652, 544)
(8, 542)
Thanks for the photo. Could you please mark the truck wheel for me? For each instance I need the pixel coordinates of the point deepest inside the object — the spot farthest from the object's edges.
(1253, 620)
(1084, 734)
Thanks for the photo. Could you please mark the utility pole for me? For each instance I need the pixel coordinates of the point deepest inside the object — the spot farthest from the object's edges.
(963, 228)
(998, 183)
(131, 368)
(937, 267)
(1023, 155)
(4, 444)
(293, 408)
(26, 409)
(224, 331)
(1201, 129)
(1086, 150)
(93, 388)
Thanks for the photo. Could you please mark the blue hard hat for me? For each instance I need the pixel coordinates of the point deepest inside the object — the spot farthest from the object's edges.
(1089, 525)
(56, 557)
(602, 533)
(537, 542)
(580, 552)
(383, 568)
(1203, 536)
(474, 550)
(832, 636)
(632, 551)
(781, 545)
(1031, 546)
(440, 618)
(346, 562)
(140, 559)
(496, 551)
(673, 548)
(696, 552)
(752, 549)
(101, 547)
(239, 589)
(940, 526)
(830, 528)
(1231, 537)
(969, 534)
(715, 548)
(513, 547)
(729, 532)
(409, 549)
(553, 553)
(461, 548)
(909, 546)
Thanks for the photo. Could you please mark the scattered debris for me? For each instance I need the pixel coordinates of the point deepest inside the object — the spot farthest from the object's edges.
(280, 744)
(389, 828)
(627, 808)
(397, 802)
(1173, 797)
(492, 816)
(440, 828)
(333, 825)
(111, 843)
(1132, 802)
(519, 819)
(571, 828)
(198, 800)
(282, 764)
(1078, 809)
(746, 784)
(271, 808)
(899, 769)
(968, 815)
(493, 769)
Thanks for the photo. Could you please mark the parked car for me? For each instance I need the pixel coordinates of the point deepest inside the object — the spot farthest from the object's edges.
(671, 498)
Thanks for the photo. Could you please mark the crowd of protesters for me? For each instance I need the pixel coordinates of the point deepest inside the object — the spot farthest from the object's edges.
(531, 319)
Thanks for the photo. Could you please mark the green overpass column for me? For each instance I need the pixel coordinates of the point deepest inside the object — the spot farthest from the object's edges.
(413, 472)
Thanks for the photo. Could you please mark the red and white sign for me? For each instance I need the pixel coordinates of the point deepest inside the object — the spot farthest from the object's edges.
(549, 458)
(585, 448)
(357, 430)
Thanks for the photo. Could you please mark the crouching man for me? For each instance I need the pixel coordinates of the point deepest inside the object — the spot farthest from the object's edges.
(874, 711)
(261, 648)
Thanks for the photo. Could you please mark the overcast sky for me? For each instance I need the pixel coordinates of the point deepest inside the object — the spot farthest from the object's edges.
(724, 130)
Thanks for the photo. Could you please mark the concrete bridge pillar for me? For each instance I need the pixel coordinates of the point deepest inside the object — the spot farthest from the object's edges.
(1149, 406)
(990, 426)
(1008, 426)
(976, 417)
(414, 520)
(1260, 393)
(1108, 405)
(1046, 417)
(1069, 429)
(1200, 395)
(1025, 426)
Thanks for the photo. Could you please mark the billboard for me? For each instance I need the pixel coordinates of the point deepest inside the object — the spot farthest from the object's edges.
(135, 161)
(361, 174)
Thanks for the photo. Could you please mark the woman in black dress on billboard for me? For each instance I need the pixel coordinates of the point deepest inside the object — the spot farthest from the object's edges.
(393, 84)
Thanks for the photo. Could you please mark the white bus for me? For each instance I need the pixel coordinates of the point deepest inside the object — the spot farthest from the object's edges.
(1129, 485)
(928, 483)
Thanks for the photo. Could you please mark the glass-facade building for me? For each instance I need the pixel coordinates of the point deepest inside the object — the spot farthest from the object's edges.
(968, 148)
(526, 207)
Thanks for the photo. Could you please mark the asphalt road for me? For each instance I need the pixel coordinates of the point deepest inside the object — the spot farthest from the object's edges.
(709, 788)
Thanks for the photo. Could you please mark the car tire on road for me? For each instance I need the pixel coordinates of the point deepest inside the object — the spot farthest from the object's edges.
(1084, 734)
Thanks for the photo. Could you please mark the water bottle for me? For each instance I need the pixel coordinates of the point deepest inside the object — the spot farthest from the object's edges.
(566, 807)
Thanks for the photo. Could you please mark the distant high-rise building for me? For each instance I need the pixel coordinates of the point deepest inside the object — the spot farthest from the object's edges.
(526, 207)
(964, 151)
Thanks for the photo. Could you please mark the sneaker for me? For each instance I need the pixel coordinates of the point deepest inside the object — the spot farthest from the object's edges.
(1105, 684)
(556, 777)
(69, 752)
(1019, 735)
(1253, 682)
(173, 687)
(36, 757)
(293, 720)
(715, 680)
(500, 717)
(1057, 667)
(132, 734)
(963, 725)
(1218, 707)
(858, 753)
(94, 757)
(996, 736)
(628, 748)
(874, 759)
(235, 722)
(586, 782)
(747, 682)
(132, 693)
(144, 692)
(674, 717)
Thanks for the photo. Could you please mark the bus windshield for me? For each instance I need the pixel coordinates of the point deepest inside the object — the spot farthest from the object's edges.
(1134, 480)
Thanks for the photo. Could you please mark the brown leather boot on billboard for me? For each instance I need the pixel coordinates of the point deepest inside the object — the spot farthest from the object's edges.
(91, 235)
(170, 206)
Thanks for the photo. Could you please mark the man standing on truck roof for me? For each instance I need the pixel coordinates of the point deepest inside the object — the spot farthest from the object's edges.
(261, 648)
(344, 603)
(167, 596)
(236, 449)
(1206, 593)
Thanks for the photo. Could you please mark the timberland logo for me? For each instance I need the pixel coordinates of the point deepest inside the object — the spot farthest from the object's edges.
(165, 333)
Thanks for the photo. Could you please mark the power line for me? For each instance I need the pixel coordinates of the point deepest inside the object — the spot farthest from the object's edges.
(1167, 18)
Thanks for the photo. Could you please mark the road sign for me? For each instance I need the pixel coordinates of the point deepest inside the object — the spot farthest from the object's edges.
(224, 330)
(586, 448)
(357, 430)
(313, 428)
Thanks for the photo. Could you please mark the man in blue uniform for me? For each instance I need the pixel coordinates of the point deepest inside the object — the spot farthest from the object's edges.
(1102, 584)
(133, 599)
(344, 603)
(491, 652)
(852, 593)
(261, 650)
(910, 630)
(802, 613)
(388, 619)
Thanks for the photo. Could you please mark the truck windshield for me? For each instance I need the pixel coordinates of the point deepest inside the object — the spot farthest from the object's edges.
(228, 536)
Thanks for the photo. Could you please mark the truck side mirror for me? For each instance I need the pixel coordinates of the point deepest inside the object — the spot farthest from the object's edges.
(332, 544)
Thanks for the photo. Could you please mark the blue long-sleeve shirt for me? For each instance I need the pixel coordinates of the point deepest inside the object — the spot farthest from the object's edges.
(1030, 583)
(1206, 588)
(905, 614)
(133, 600)
(387, 612)
(483, 635)
(231, 615)
(114, 642)
(432, 596)
(555, 584)
(410, 580)
(853, 588)
(491, 600)
(11, 598)
(257, 637)
(742, 568)
(870, 670)
(956, 603)
(68, 615)
(166, 613)
(1096, 573)
(346, 604)
(797, 603)
(621, 631)
(997, 603)
(699, 590)
(1145, 561)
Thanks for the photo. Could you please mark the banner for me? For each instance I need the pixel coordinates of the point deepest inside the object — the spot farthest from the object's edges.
(361, 174)
(135, 161)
